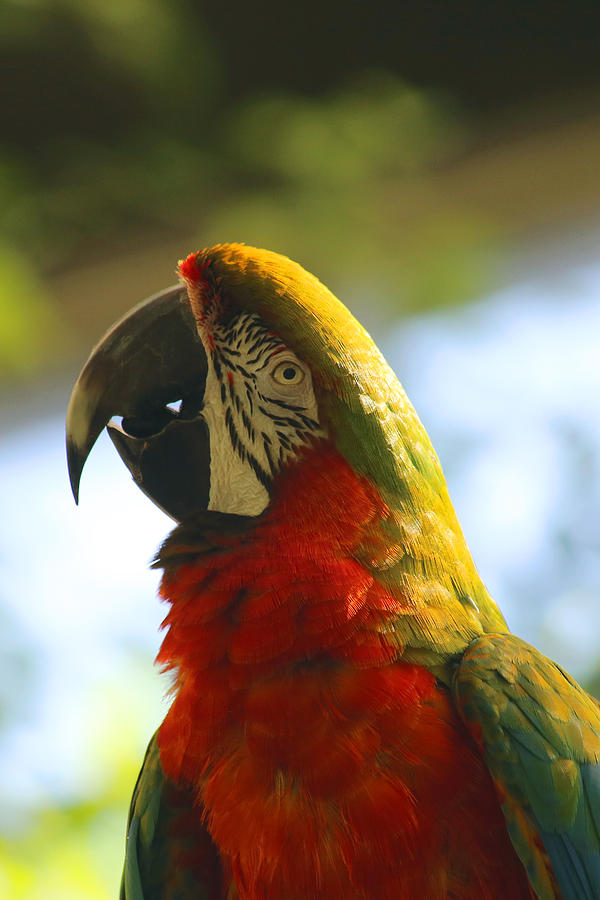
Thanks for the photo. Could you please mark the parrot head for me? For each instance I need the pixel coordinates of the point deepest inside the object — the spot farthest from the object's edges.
(223, 381)
(225, 384)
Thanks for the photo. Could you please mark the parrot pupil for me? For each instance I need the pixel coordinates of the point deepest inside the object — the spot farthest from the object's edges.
(289, 374)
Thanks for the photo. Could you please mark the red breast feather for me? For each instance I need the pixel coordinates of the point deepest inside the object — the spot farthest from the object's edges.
(327, 767)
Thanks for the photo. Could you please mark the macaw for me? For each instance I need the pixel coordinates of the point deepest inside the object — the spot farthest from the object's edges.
(351, 716)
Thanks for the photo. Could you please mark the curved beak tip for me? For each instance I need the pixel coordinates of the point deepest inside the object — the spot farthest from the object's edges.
(149, 358)
(75, 463)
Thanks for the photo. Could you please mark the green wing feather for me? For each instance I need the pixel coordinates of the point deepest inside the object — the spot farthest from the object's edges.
(540, 733)
(169, 854)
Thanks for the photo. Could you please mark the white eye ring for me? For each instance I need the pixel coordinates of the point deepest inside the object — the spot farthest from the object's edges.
(288, 372)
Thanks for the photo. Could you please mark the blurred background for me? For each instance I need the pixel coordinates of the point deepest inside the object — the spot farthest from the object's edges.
(437, 165)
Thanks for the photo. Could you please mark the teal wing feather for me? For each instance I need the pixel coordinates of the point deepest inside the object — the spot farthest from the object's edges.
(540, 734)
(169, 854)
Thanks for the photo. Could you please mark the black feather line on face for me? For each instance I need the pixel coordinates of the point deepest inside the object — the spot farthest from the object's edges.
(281, 403)
(217, 366)
(249, 396)
(256, 346)
(269, 457)
(246, 422)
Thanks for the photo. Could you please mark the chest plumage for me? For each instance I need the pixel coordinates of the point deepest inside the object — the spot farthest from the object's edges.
(295, 719)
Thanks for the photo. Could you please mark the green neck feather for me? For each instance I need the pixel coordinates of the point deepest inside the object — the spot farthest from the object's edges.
(375, 427)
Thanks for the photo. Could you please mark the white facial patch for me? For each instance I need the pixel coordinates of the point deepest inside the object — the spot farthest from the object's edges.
(260, 408)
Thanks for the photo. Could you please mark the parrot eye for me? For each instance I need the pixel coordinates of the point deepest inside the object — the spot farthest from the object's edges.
(288, 372)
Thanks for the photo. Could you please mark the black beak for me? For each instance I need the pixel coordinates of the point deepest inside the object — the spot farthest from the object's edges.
(150, 358)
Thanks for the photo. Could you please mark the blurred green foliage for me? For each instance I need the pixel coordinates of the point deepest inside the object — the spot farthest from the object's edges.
(30, 329)
(67, 853)
(101, 102)
(116, 132)
(71, 847)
